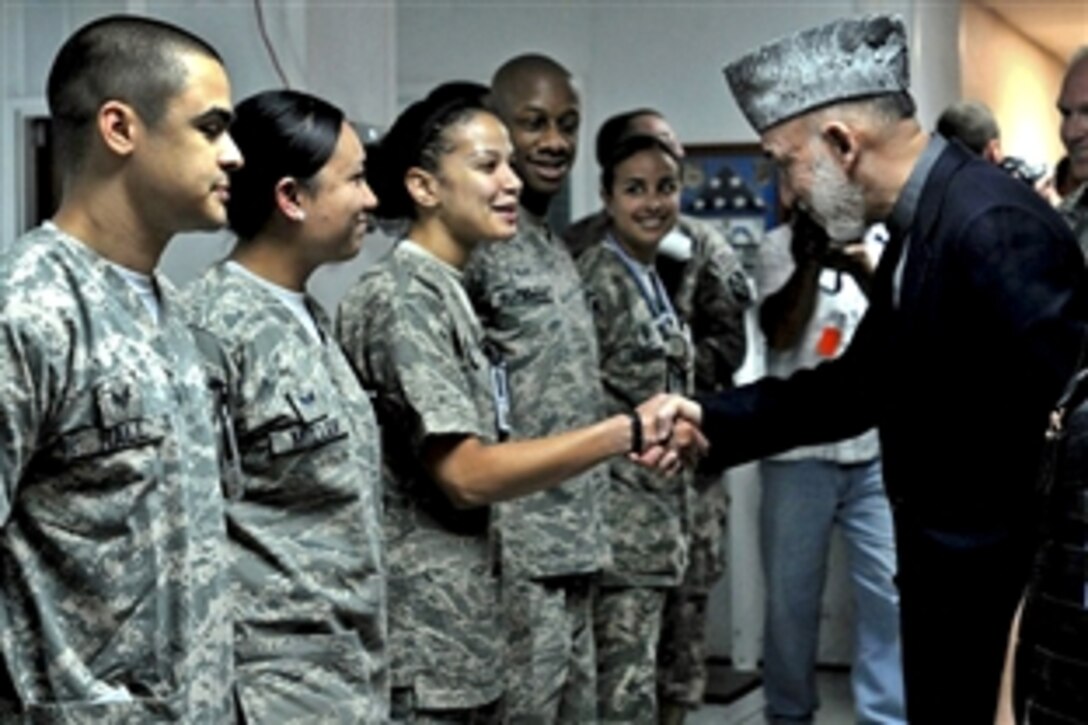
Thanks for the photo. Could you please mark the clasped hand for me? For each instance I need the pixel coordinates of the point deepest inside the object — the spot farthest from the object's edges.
(670, 432)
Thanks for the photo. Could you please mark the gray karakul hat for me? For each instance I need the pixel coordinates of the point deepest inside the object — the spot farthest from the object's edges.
(846, 59)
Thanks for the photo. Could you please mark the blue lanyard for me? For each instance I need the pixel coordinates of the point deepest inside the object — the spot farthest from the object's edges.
(657, 301)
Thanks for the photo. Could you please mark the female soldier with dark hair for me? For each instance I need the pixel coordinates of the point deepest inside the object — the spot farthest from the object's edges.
(645, 349)
(441, 397)
(306, 548)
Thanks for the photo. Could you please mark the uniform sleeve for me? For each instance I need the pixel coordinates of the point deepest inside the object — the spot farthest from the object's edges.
(428, 363)
(610, 315)
(723, 293)
(21, 411)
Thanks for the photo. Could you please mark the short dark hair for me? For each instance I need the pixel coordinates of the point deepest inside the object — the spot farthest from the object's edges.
(118, 57)
(419, 138)
(972, 123)
(516, 75)
(280, 134)
(616, 128)
(625, 149)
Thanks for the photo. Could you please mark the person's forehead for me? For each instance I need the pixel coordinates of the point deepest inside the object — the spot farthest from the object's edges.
(477, 131)
(348, 146)
(647, 161)
(205, 80)
(545, 89)
(1076, 80)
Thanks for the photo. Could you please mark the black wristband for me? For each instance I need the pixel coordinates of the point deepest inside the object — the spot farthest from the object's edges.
(636, 432)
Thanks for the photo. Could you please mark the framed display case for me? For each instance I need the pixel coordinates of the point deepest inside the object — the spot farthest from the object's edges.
(733, 185)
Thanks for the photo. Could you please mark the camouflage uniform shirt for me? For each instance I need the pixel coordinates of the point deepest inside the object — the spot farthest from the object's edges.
(305, 534)
(712, 293)
(112, 589)
(641, 355)
(410, 331)
(710, 289)
(529, 297)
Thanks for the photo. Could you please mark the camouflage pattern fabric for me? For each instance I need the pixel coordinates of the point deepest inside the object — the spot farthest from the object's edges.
(552, 655)
(647, 512)
(682, 672)
(409, 330)
(113, 605)
(713, 293)
(627, 624)
(306, 546)
(529, 298)
(1074, 208)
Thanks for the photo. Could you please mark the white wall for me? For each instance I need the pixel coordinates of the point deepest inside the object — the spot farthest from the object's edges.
(372, 57)
(1019, 80)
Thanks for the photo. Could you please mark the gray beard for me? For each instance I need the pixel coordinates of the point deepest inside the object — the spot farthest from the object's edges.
(836, 204)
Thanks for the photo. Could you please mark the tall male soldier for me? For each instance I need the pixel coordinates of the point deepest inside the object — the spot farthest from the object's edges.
(976, 316)
(529, 297)
(111, 520)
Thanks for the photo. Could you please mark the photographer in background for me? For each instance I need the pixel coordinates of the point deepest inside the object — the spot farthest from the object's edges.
(972, 123)
(813, 294)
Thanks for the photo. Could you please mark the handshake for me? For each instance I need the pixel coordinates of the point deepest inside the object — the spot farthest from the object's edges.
(671, 438)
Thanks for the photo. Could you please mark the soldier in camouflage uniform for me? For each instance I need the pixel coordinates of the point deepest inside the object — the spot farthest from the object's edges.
(442, 399)
(704, 278)
(530, 300)
(112, 592)
(645, 348)
(308, 587)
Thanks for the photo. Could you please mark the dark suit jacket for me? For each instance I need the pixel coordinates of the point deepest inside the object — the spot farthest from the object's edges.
(959, 376)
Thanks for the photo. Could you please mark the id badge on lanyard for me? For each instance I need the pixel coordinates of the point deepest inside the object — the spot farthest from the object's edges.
(500, 390)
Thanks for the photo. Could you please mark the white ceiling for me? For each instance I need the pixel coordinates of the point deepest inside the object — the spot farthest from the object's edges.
(1060, 26)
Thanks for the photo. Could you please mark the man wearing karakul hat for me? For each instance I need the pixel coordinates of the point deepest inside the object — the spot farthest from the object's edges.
(975, 322)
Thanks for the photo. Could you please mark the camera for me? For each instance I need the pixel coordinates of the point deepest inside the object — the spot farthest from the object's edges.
(1029, 173)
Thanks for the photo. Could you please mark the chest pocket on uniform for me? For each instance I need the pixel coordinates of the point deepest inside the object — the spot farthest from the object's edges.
(511, 301)
(299, 420)
(119, 421)
(656, 359)
(522, 292)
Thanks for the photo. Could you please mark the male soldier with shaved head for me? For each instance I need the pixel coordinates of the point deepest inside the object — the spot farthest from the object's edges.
(111, 518)
(529, 297)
